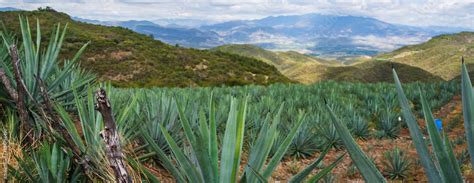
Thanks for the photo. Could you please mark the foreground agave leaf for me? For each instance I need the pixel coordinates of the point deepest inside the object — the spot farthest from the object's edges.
(421, 148)
(449, 169)
(363, 163)
(468, 109)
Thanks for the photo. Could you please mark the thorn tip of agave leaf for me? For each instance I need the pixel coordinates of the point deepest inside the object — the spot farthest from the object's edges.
(393, 66)
(462, 59)
(325, 101)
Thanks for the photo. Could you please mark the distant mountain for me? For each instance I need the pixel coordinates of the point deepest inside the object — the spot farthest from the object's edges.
(130, 59)
(175, 35)
(441, 55)
(9, 9)
(181, 23)
(326, 35)
(321, 35)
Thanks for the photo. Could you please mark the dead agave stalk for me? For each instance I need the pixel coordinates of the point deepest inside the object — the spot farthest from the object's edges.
(19, 95)
(111, 138)
(56, 124)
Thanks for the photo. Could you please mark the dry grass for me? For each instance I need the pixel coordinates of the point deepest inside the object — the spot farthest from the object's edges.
(8, 151)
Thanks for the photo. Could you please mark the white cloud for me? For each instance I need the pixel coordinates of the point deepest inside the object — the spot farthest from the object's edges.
(459, 13)
(387, 43)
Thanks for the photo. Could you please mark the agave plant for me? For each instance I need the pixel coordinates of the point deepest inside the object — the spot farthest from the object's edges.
(359, 127)
(396, 164)
(48, 164)
(305, 143)
(330, 134)
(389, 124)
(37, 66)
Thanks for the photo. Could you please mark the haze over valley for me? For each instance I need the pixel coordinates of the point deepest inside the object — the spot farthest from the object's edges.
(327, 36)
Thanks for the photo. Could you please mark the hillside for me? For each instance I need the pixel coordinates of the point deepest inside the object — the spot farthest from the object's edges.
(288, 63)
(441, 55)
(308, 69)
(129, 59)
(372, 72)
(365, 72)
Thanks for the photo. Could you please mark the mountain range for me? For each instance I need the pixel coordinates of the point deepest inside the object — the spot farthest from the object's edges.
(328, 36)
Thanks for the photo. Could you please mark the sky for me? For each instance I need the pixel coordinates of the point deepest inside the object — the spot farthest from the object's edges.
(453, 13)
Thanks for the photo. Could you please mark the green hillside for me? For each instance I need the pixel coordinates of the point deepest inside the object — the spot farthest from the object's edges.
(441, 55)
(372, 72)
(307, 69)
(129, 59)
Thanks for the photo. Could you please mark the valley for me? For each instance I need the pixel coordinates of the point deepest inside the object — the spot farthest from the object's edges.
(327, 36)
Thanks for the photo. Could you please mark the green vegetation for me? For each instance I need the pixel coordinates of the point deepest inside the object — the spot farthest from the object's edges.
(129, 59)
(372, 72)
(396, 164)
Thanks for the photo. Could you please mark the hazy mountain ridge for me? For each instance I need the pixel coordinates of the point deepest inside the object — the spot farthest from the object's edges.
(186, 37)
(326, 35)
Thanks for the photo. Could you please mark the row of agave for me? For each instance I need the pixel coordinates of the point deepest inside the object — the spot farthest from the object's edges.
(182, 130)
(441, 164)
(378, 112)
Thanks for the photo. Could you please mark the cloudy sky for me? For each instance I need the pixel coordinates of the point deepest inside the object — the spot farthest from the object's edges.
(459, 13)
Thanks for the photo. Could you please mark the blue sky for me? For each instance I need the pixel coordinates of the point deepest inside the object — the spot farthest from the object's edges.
(459, 13)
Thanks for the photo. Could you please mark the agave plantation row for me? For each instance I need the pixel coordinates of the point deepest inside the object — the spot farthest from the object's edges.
(370, 110)
(196, 134)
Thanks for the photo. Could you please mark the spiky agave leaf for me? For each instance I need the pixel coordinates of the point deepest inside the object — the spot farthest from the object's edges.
(233, 141)
(418, 139)
(305, 172)
(468, 108)
(366, 167)
(448, 168)
(261, 149)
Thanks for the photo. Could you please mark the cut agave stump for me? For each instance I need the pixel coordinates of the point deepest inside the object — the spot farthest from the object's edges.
(111, 138)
